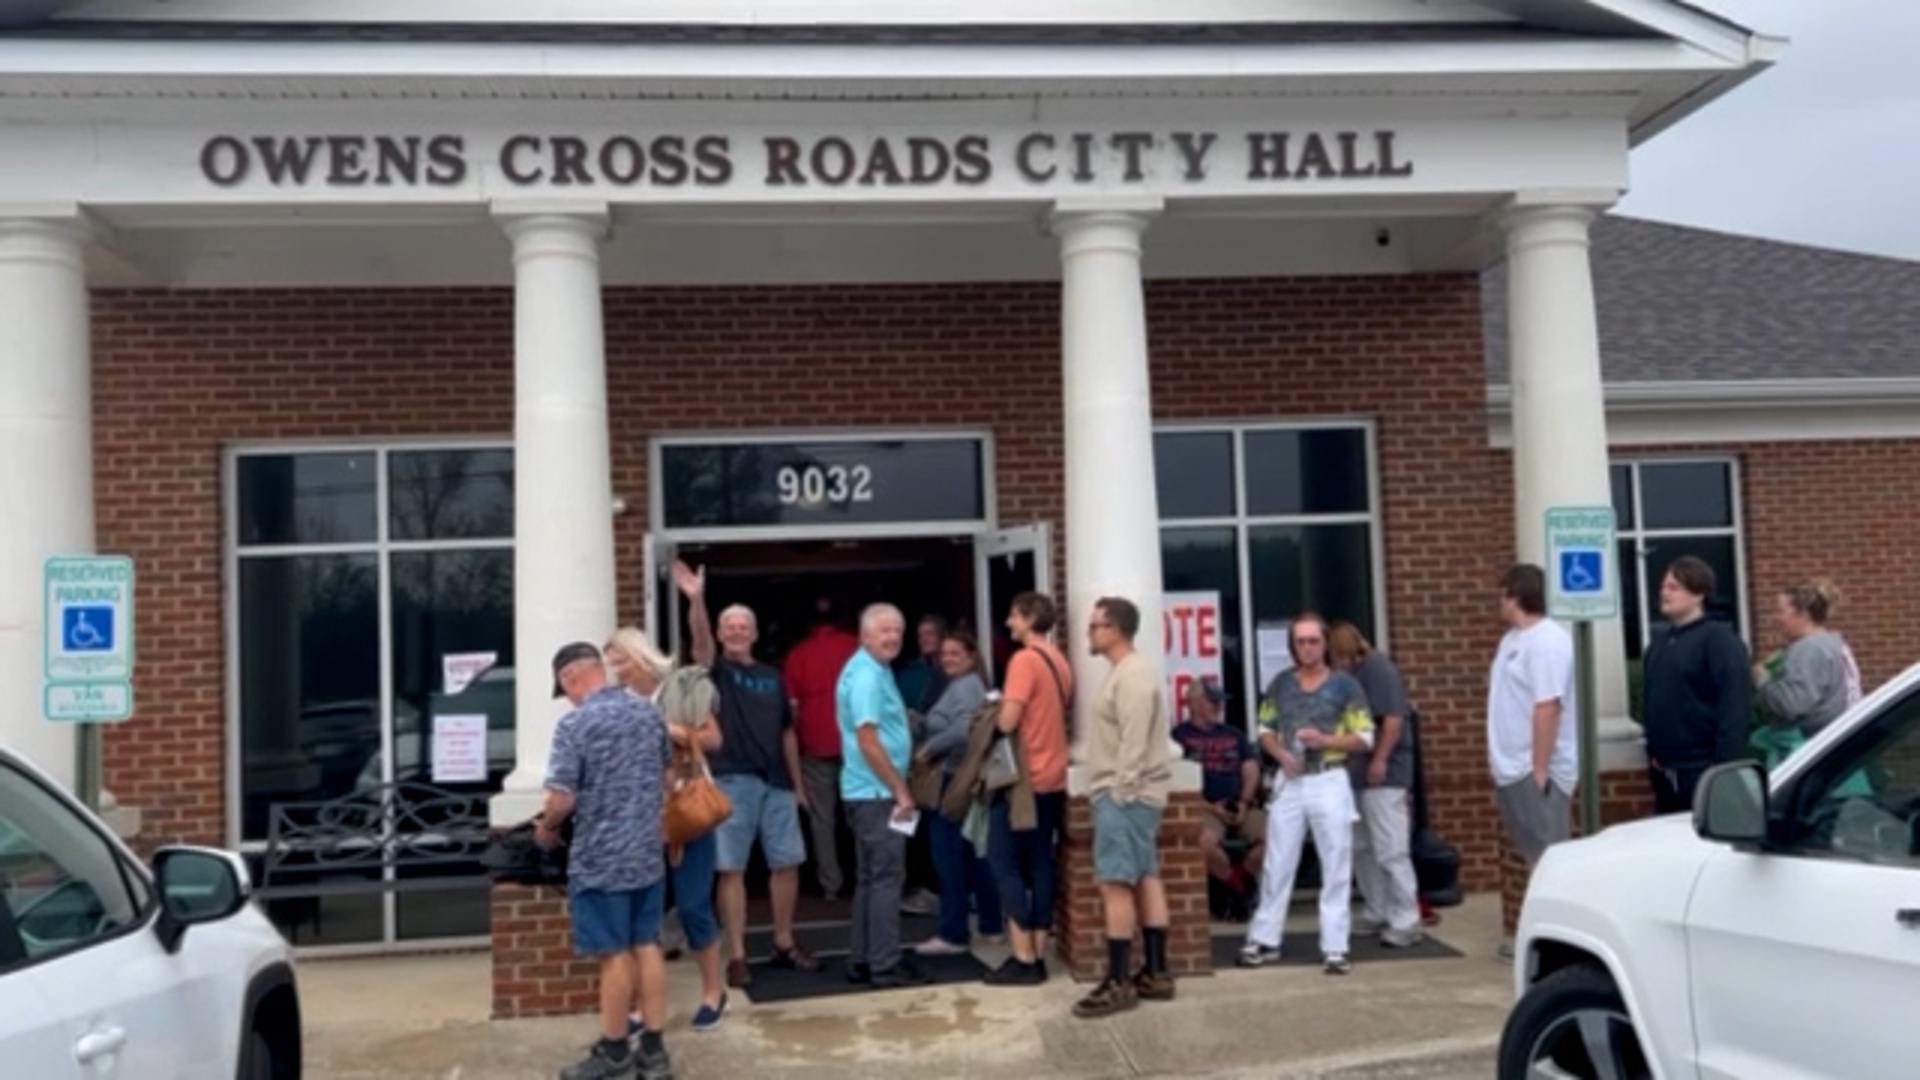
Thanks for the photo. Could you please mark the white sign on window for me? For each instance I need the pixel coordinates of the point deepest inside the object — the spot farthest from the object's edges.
(1192, 627)
(459, 669)
(459, 749)
(1270, 645)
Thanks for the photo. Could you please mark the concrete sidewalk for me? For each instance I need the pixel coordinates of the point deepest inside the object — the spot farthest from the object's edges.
(1436, 1019)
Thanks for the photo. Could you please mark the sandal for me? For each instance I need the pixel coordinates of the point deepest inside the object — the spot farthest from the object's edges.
(795, 957)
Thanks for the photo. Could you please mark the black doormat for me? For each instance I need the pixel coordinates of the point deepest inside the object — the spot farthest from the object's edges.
(1303, 950)
(832, 936)
(771, 984)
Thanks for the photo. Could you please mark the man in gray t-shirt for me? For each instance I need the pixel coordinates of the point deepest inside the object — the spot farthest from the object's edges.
(1382, 845)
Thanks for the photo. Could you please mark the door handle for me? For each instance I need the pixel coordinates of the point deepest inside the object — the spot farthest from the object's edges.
(1908, 917)
(103, 1042)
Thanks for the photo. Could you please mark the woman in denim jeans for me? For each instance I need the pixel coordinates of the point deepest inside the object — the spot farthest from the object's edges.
(963, 871)
(688, 707)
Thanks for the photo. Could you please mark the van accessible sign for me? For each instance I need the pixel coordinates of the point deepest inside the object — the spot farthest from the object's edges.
(88, 620)
(536, 159)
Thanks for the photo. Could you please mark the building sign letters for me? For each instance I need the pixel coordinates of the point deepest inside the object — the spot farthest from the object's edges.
(1039, 159)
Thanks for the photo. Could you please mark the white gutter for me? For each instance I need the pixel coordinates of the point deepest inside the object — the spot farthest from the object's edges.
(495, 63)
(1672, 414)
(1752, 394)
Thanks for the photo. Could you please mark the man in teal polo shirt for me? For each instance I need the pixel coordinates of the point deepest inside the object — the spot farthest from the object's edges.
(873, 788)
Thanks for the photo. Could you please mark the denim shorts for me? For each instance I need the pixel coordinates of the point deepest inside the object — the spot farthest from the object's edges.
(1125, 840)
(763, 812)
(614, 920)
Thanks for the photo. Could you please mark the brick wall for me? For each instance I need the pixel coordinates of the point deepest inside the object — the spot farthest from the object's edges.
(534, 971)
(1080, 930)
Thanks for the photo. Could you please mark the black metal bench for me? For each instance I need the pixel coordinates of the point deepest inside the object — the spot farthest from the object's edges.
(374, 841)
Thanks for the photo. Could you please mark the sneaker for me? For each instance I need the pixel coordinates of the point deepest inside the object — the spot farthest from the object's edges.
(1337, 964)
(919, 902)
(1252, 955)
(900, 975)
(1504, 954)
(707, 1017)
(991, 939)
(939, 946)
(1367, 926)
(794, 957)
(1108, 998)
(859, 974)
(1150, 986)
(653, 1064)
(606, 1061)
(739, 976)
(1402, 939)
(1014, 972)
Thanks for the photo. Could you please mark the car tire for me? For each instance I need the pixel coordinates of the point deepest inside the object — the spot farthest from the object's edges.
(263, 1061)
(1564, 1023)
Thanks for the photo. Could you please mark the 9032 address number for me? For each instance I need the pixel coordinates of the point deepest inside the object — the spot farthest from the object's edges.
(816, 484)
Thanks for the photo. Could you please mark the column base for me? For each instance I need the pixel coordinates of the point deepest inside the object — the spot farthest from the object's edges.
(1080, 933)
(535, 972)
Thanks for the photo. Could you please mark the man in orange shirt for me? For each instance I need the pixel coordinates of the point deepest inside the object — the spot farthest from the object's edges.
(811, 671)
(1033, 709)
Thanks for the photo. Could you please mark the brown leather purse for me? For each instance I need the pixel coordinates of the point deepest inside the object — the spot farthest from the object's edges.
(694, 803)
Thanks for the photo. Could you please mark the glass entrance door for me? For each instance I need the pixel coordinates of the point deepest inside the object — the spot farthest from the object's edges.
(1008, 562)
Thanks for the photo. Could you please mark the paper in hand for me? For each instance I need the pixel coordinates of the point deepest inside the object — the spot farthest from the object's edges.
(905, 826)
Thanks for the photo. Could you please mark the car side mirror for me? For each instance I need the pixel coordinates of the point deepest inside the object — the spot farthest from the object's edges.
(1730, 805)
(197, 885)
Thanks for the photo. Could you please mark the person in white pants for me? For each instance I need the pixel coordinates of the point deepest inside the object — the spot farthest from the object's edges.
(1312, 718)
(1383, 844)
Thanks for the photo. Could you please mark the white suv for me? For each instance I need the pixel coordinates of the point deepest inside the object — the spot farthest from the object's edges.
(1775, 934)
(108, 969)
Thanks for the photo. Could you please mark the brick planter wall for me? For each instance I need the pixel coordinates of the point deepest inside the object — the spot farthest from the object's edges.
(1080, 932)
(534, 970)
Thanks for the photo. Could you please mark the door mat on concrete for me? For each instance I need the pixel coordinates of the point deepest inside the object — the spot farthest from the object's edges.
(1303, 950)
(771, 984)
(832, 936)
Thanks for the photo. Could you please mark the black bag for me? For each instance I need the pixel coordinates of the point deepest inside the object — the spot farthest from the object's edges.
(515, 858)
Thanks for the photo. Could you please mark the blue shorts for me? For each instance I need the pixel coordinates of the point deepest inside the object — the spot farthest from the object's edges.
(763, 812)
(1125, 840)
(615, 920)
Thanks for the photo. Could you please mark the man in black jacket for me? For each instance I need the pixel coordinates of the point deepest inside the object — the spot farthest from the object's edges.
(1698, 689)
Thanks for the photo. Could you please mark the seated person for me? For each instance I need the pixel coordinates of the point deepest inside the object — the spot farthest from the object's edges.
(1230, 768)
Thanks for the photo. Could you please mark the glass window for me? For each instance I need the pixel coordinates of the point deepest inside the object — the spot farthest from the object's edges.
(1666, 509)
(1686, 495)
(1621, 477)
(1193, 474)
(450, 494)
(1208, 560)
(309, 679)
(1863, 799)
(1324, 568)
(452, 656)
(307, 499)
(62, 881)
(1306, 471)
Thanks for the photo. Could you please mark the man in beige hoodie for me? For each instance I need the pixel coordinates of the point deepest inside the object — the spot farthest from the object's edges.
(1129, 773)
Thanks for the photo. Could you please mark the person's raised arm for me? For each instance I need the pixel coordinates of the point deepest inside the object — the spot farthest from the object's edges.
(693, 585)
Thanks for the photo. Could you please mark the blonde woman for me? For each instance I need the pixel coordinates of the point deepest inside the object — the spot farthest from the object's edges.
(1806, 685)
(688, 706)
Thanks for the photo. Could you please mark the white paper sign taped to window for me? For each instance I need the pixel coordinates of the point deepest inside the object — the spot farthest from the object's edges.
(457, 670)
(459, 749)
(1270, 644)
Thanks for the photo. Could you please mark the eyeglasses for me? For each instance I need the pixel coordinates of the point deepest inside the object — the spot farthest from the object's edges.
(1098, 625)
(1308, 641)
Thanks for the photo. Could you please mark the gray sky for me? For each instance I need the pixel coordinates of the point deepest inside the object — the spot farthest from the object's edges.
(1823, 149)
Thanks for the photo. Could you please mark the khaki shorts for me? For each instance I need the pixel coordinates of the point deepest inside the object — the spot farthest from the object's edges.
(1252, 828)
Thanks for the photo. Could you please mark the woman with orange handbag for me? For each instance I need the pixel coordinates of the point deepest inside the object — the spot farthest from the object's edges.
(647, 671)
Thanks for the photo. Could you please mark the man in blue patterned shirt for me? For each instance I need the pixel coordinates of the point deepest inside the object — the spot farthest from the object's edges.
(604, 770)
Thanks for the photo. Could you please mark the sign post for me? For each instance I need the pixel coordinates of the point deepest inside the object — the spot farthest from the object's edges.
(88, 620)
(1583, 585)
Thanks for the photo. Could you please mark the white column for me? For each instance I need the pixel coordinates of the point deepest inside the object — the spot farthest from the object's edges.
(1113, 515)
(46, 460)
(1560, 419)
(563, 577)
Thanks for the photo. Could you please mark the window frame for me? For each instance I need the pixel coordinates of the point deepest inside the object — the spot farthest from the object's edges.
(382, 547)
(1241, 522)
(1641, 535)
(142, 891)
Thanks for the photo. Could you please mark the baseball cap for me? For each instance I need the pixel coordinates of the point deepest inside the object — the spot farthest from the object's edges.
(578, 650)
(1213, 690)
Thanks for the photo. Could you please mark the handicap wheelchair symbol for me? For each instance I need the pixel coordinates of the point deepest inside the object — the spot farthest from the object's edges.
(1580, 570)
(87, 629)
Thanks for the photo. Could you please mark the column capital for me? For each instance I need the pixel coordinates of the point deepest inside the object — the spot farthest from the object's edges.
(45, 232)
(527, 219)
(1102, 224)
